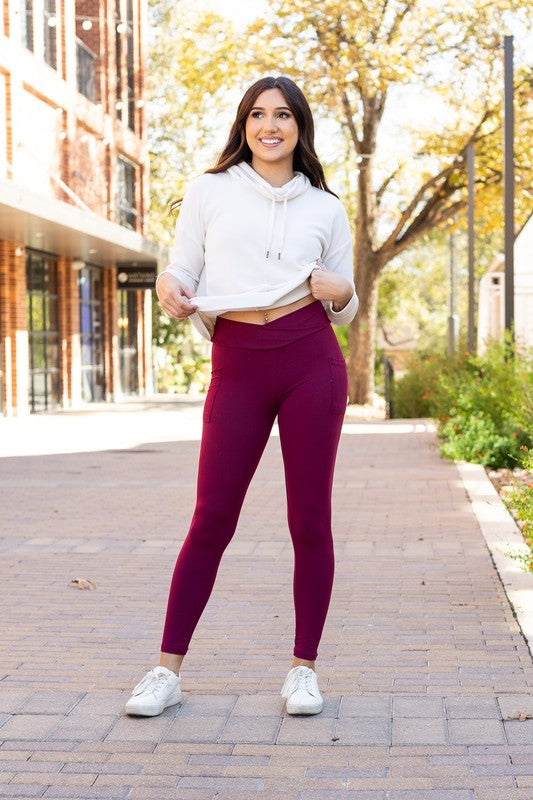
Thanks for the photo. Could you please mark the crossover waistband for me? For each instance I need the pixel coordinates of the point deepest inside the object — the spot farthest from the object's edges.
(281, 331)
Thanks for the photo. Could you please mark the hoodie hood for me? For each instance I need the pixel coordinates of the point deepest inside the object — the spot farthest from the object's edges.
(245, 173)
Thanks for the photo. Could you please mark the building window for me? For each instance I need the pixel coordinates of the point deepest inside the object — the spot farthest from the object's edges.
(127, 331)
(27, 23)
(126, 213)
(43, 331)
(49, 33)
(88, 48)
(91, 334)
(86, 63)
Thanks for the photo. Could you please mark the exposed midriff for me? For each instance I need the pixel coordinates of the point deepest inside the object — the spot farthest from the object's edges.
(263, 315)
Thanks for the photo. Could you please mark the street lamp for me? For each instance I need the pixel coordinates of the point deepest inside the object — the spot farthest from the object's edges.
(508, 179)
(471, 300)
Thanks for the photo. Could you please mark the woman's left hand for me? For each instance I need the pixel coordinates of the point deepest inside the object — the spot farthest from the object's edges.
(327, 285)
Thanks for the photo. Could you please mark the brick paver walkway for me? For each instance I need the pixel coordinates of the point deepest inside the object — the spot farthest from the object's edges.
(422, 664)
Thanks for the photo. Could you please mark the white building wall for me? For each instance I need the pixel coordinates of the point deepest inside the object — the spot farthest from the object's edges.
(491, 306)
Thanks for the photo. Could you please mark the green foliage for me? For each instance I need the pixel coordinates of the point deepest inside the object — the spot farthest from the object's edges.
(410, 393)
(183, 363)
(414, 287)
(379, 371)
(476, 438)
(342, 334)
(195, 74)
(482, 403)
(522, 506)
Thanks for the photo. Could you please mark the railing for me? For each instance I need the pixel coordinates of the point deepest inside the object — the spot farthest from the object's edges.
(86, 61)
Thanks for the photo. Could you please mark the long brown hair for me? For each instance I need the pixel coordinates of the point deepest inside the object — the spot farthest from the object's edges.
(305, 158)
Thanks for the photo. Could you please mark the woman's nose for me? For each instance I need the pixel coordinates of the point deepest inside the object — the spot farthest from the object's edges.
(271, 124)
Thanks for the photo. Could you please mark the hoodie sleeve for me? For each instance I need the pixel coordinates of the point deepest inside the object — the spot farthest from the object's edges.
(187, 258)
(338, 257)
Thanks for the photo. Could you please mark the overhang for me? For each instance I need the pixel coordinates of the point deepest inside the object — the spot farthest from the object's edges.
(54, 226)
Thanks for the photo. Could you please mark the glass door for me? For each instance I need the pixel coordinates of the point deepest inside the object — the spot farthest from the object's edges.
(127, 331)
(91, 334)
(43, 330)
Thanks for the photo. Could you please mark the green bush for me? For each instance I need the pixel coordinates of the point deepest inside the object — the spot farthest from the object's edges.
(521, 502)
(411, 391)
(483, 404)
(476, 438)
(184, 363)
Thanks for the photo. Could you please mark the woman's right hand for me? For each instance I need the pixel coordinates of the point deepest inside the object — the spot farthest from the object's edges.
(173, 297)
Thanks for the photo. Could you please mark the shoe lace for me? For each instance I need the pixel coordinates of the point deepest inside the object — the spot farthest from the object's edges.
(151, 682)
(300, 679)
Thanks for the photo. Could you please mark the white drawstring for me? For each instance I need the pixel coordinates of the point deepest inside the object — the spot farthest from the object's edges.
(270, 229)
(299, 184)
(283, 227)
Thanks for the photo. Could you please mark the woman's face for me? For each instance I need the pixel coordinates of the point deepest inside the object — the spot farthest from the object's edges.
(271, 129)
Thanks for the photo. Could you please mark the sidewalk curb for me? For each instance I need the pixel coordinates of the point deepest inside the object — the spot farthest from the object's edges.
(501, 534)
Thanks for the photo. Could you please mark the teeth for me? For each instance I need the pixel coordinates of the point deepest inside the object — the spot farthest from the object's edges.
(270, 141)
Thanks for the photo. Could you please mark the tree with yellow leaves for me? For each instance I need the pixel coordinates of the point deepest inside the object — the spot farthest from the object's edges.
(193, 67)
(352, 57)
(356, 62)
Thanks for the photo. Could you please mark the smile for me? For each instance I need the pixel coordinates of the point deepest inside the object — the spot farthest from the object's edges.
(270, 142)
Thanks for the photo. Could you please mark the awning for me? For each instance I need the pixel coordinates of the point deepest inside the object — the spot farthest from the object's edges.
(46, 223)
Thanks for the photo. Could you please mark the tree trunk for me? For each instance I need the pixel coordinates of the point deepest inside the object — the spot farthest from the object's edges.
(362, 343)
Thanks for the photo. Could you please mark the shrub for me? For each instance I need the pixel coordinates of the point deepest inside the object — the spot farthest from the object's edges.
(476, 438)
(483, 404)
(521, 501)
(411, 392)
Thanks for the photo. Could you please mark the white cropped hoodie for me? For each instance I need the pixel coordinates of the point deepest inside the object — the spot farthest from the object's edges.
(241, 243)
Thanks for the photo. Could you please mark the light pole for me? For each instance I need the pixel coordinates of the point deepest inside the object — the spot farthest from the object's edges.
(453, 319)
(471, 297)
(508, 179)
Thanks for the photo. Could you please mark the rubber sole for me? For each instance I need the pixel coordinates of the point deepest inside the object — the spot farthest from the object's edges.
(138, 711)
(308, 710)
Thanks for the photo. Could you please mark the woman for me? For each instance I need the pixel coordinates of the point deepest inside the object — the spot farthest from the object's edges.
(247, 270)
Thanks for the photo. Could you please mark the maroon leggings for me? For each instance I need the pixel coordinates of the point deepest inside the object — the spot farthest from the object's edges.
(292, 368)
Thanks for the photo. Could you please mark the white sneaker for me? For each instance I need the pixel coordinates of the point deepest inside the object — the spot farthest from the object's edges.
(302, 692)
(158, 689)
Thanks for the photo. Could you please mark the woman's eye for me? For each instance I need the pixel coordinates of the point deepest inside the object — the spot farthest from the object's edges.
(256, 114)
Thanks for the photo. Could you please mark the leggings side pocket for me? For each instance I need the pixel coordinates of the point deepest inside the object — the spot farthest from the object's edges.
(214, 384)
(339, 385)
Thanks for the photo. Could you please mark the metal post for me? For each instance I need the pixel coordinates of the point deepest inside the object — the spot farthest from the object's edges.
(452, 318)
(471, 298)
(388, 374)
(508, 178)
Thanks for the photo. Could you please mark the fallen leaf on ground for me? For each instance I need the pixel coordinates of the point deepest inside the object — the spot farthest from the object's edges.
(83, 583)
(521, 716)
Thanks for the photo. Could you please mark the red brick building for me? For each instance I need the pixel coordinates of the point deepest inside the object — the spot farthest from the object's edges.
(73, 204)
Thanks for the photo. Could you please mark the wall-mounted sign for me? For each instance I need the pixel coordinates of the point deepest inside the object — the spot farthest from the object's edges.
(136, 277)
